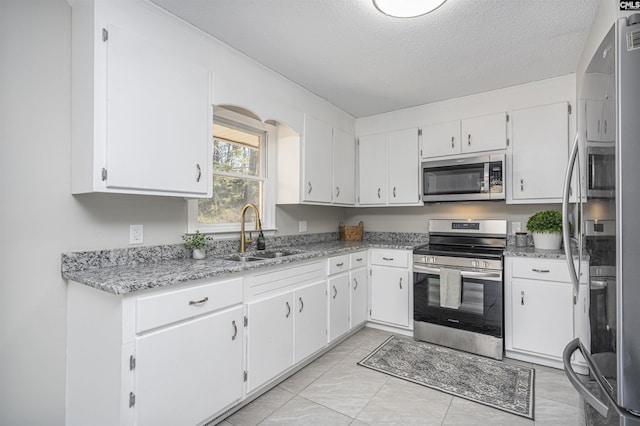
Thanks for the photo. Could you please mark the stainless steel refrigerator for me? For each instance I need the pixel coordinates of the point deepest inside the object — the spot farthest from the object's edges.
(605, 159)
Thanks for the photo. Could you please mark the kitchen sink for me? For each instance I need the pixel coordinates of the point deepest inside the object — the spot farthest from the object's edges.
(253, 257)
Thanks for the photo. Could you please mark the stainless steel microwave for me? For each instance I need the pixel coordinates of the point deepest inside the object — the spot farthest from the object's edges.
(464, 179)
(601, 170)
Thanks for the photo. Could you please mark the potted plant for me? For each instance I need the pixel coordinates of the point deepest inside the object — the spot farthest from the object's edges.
(198, 243)
(546, 227)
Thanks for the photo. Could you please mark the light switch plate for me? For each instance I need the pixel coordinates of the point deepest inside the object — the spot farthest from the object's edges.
(302, 226)
(136, 234)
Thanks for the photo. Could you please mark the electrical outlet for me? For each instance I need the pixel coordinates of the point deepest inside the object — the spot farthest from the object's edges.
(136, 234)
(302, 226)
(515, 227)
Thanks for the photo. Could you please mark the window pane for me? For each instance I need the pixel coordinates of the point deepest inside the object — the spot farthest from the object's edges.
(229, 196)
(237, 152)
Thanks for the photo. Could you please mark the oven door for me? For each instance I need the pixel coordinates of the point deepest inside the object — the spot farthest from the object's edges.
(480, 309)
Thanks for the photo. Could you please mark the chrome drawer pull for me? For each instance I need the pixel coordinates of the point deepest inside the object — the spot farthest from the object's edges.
(340, 264)
(235, 330)
(198, 302)
(387, 258)
(540, 270)
(359, 259)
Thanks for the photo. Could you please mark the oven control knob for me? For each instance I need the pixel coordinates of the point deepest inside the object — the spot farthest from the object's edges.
(474, 263)
(486, 264)
(432, 259)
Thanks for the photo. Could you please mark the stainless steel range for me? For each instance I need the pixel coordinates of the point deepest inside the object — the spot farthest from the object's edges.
(458, 286)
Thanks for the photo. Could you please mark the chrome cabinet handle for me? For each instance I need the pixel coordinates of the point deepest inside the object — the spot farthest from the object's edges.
(605, 127)
(310, 188)
(452, 139)
(198, 302)
(301, 304)
(337, 191)
(469, 139)
(400, 283)
(288, 310)
(540, 270)
(394, 192)
(359, 259)
(356, 283)
(378, 192)
(335, 291)
(235, 330)
(598, 126)
(339, 264)
(199, 173)
(521, 184)
(522, 297)
(387, 258)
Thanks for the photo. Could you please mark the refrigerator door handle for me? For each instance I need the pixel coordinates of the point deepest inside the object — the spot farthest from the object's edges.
(600, 406)
(565, 218)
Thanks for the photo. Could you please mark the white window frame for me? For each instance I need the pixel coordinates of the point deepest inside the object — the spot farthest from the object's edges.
(267, 163)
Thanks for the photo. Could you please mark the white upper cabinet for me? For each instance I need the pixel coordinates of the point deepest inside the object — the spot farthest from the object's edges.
(486, 133)
(389, 168)
(403, 167)
(372, 171)
(539, 153)
(344, 162)
(440, 139)
(318, 158)
(142, 108)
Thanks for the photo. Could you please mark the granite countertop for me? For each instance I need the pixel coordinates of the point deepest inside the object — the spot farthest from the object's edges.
(529, 251)
(128, 278)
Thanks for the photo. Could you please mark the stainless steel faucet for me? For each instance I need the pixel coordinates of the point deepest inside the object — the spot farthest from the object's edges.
(243, 240)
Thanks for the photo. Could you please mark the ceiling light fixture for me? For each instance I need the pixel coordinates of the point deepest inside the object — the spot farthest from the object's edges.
(407, 8)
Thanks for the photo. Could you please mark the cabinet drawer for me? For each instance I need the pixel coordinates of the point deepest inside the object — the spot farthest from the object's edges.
(171, 306)
(358, 259)
(541, 269)
(338, 264)
(396, 258)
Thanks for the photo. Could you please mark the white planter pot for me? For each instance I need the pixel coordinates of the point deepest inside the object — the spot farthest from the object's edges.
(547, 241)
(199, 254)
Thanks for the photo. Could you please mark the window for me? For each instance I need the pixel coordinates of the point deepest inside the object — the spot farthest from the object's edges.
(239, 176)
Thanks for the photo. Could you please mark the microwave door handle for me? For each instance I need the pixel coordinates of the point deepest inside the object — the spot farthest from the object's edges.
(486, 178)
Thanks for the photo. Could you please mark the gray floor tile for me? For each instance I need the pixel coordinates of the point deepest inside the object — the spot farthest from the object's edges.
(399, 402)
(553, 384)
(299, 411)
(549, 412)
(464, 412)
(261, 408)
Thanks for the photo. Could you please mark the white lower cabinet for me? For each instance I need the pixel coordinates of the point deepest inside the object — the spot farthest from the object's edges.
(359, 300)
(185, 371)
(286, 319)
(390, 287)
(539, 310)
(338, 306)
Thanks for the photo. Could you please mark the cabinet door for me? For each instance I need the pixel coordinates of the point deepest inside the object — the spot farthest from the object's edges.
(372, 171)
(441, 139)
(310, 320)
(358, 296)
(188, 372)
(269, 339)
(318, 158)
(540, 152)
(403, 167)
(542, 316)
(486, 133)
(390, 295)
(338, 306)
(159, 118)
(344, 166)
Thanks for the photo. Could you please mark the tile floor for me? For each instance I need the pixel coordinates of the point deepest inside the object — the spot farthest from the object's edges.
(333, 390)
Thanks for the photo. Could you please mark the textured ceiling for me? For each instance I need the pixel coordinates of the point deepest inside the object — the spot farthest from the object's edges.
(367, 63)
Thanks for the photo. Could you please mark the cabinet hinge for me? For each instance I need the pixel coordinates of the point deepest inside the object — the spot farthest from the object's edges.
(104, 174)
(246, 321)
(245, 375)
(132, 363)
(569, 108)
(105, 34)
(132, 399)
(507, 118)
(419, 132)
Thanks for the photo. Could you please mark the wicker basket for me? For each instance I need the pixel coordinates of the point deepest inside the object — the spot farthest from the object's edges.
(351, 233)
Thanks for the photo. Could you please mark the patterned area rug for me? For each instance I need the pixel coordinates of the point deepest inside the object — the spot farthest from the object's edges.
(494, 383)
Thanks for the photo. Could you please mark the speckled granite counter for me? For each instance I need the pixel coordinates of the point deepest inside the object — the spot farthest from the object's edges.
(514, 251)
(124, 271)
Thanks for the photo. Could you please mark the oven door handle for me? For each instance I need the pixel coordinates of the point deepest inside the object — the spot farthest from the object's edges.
(471, 274)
